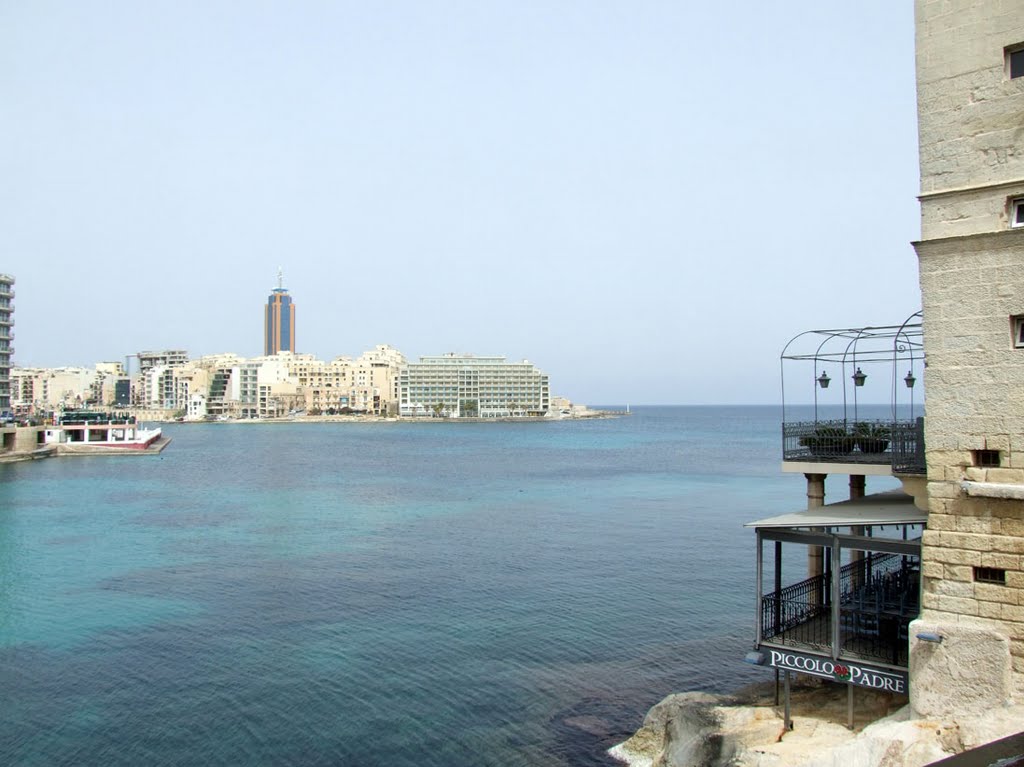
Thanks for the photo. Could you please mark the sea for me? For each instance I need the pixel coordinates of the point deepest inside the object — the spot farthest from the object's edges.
(385, 594)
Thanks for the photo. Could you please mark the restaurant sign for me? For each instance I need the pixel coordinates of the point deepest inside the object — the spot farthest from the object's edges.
(840, 671)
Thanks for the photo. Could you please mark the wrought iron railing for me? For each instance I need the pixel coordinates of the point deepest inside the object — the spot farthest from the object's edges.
(878, 599)
(908, 447)
(868, 442)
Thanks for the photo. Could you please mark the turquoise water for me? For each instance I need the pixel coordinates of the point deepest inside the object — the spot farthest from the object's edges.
(380, 594)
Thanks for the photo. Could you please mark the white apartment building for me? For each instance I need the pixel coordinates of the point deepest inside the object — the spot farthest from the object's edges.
(154, 385)
(467, 386)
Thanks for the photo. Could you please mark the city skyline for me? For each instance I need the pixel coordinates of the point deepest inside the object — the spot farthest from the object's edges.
(572, 184)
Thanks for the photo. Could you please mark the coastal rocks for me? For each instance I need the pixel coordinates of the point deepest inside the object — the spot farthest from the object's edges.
(701, 730)
(892, 742)
(697, 730)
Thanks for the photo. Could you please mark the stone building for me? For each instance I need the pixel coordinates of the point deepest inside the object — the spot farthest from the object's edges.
(970, 83)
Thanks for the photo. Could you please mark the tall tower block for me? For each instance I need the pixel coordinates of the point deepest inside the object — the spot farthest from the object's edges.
(279, 320)
(6, 335)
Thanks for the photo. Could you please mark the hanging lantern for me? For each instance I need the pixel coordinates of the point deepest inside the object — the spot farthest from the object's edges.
(823, 380)
(910, 380)
(859, 377)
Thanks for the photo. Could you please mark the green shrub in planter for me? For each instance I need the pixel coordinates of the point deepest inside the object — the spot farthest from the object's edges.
(871, 438)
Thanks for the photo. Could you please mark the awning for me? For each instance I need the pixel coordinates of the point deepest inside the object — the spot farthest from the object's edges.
(890, 508)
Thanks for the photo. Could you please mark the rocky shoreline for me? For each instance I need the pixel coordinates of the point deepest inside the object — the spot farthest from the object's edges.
(746, 729)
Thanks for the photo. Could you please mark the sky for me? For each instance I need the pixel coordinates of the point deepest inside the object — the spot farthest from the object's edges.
(645, 199)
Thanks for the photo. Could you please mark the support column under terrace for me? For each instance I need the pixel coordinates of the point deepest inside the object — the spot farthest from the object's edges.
(857, 490)
(815, 499)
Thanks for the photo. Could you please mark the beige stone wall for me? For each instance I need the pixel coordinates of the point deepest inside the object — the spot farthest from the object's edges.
(964, 533)
(975, 401)
(971, 132)
(969, 115)
(970, 289)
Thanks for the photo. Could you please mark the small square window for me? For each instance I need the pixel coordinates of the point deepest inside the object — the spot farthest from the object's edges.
(1015, 61)
(986, 458)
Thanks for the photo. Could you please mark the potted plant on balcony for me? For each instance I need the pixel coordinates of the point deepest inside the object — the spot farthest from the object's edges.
(828, 440)
(871, 437)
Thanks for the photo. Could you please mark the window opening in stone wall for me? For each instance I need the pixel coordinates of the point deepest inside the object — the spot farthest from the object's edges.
(990, 575)
(1017, 212)
(1015, 61)
(986, 458)
(1017, 328)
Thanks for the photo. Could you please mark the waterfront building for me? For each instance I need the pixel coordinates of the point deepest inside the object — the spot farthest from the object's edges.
(326, 388)
(935, 609)
(166, 357)
(970, 86)
(41, 390)
(6, 337)
(105, 385)
(467, 386)
(192, 385)
(277, 391)
(153, 385)
(279, 321)
(245, 389)
(375, 381)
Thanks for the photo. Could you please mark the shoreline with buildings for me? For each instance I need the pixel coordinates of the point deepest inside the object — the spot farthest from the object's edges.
(167, 385)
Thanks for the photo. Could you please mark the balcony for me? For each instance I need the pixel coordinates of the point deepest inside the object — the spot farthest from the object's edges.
(847, 402)
(848, 619)
(898, 445)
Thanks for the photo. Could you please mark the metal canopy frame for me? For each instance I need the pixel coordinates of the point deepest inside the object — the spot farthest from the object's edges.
(845, 350)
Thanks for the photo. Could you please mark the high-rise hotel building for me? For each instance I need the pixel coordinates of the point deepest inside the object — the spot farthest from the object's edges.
(6, 335)
(279, 321)
(467, 386)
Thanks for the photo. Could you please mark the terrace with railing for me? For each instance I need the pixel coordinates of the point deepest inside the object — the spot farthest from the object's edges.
(878, 596)
(868, 364)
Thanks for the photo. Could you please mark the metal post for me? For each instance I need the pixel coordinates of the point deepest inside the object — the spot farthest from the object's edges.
(760, 567)
(836, 569)
(787, 719)
(778, 588)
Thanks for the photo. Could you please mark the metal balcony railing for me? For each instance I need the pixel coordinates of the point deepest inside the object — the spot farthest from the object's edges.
(908, 448)
(881, 443)
(878, 599)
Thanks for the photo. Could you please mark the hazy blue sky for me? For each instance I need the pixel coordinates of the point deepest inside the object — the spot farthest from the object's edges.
(646, 199)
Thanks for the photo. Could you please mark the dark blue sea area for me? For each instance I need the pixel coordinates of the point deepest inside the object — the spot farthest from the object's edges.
(392, 594)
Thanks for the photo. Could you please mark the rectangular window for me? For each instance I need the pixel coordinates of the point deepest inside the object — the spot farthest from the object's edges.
(986, 458)
(1017, 328)
(1017, 212)
(1015, 61)
(990, 575)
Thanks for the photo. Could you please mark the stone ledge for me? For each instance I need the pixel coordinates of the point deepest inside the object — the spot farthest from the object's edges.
(993, 490)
